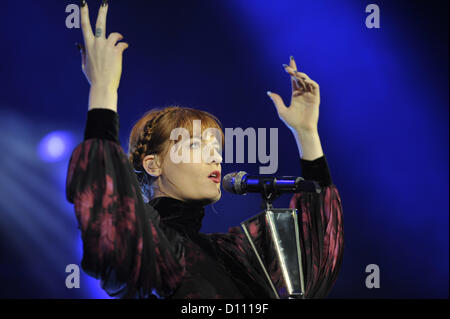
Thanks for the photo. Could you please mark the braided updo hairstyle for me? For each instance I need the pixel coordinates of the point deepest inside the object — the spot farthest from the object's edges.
(151, 135)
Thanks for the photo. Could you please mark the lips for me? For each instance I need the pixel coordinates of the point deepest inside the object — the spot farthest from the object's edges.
(214, 176)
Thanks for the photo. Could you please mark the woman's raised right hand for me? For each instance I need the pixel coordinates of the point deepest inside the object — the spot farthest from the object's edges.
(101, 59)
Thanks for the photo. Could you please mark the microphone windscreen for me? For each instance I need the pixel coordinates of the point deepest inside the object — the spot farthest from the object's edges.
(232, 182)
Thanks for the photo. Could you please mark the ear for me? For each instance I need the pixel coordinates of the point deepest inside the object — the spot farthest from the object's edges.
(152, 165)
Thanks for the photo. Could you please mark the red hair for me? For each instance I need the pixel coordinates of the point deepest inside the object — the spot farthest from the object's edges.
(151, 135)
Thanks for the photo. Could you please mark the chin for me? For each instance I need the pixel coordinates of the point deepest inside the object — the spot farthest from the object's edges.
(218, 196)
(212, 198)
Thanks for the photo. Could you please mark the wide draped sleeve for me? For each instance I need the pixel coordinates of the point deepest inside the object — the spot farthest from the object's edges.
(123, 243)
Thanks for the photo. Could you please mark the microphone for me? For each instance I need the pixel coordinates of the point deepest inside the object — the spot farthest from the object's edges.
(241, 183)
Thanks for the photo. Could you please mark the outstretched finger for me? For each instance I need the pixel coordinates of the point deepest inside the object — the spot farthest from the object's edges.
(296, 82)
(292, 63)
(100, 26)
(86, 23)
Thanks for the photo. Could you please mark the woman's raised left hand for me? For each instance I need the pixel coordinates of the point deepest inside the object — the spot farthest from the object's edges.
(302, 115)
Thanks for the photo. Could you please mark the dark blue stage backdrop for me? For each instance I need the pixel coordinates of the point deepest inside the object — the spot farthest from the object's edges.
(383, 123)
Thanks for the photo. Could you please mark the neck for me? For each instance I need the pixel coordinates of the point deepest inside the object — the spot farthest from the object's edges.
(183, 216)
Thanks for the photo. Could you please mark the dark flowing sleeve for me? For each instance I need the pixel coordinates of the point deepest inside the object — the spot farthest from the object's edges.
(321, 233)
(321, 230)
(123, 244)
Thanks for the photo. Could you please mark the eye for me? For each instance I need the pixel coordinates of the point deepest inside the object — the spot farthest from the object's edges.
(194, 144)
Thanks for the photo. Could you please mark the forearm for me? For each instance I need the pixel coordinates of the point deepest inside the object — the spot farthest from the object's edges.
(308, 144)
(102, 98)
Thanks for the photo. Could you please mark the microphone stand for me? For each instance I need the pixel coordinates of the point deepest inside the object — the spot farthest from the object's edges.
(271, 192)
(283, 231)
(268, 197)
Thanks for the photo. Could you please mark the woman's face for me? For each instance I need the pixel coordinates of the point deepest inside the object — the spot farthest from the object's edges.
(187, 170)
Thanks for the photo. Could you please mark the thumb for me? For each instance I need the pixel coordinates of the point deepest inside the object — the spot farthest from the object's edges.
(277, 101)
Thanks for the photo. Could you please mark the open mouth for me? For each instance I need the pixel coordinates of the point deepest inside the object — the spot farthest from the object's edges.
(214, 176)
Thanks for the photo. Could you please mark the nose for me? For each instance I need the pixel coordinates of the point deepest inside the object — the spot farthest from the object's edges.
(216, 157)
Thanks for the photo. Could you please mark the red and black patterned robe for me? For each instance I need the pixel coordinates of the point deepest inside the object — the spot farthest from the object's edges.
(143, 250)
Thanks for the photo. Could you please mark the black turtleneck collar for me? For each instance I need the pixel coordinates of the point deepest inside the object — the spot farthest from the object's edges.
(185, 217)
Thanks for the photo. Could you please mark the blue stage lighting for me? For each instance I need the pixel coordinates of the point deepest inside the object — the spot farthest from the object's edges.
(55, 146)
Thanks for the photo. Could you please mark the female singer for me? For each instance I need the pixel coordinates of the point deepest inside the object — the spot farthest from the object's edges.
(140, 214)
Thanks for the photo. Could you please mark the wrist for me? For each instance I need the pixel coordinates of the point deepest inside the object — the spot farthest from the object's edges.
(102, 97)
(309, 144)
(306, 134)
